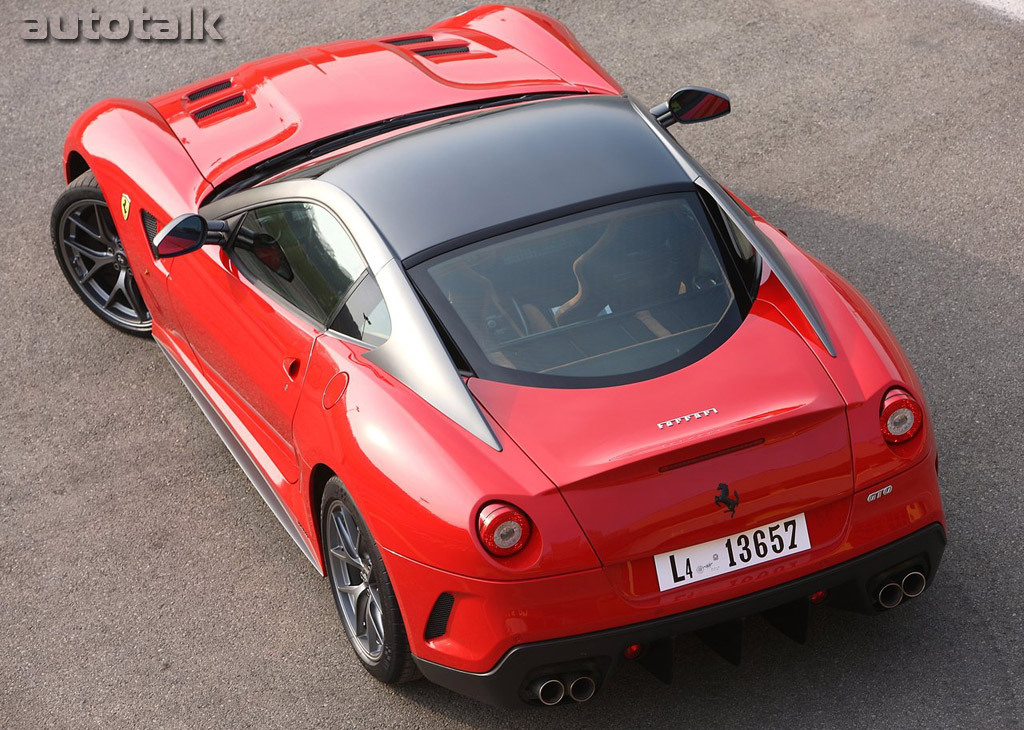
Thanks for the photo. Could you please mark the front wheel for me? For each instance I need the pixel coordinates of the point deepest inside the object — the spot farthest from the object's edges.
(89, 252)
(362, 590)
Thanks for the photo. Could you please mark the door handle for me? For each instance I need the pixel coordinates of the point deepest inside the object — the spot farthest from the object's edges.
(291, 367)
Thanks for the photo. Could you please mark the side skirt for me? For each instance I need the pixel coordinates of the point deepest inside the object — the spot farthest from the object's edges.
(241, 455)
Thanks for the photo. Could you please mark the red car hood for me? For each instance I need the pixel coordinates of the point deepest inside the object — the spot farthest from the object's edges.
(232, 121)
(759, 414)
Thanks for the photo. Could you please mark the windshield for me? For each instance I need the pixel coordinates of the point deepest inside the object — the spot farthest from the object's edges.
(611, 295)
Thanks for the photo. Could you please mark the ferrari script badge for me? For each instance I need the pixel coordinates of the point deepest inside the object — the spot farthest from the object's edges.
(126, 205)
(729, 503)
(687, 418)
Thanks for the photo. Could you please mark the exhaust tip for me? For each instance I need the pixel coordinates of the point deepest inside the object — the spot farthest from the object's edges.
(548, 691)
(582, 688)
(890, 595)
(914, 584)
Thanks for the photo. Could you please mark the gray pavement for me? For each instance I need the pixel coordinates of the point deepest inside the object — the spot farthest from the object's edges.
(144, 584)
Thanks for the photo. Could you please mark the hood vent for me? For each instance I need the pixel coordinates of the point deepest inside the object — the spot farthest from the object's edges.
(410, 40)
(218, 107)
(208, 90)
(450, 50)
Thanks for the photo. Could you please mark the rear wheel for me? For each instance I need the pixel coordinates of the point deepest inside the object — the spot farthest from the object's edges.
(89, 252)
(362, 590)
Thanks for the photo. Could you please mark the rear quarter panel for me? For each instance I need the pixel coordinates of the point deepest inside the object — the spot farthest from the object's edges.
(419, 479)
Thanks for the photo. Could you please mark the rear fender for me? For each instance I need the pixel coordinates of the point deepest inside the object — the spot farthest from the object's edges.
(868, 362)
(419, 478)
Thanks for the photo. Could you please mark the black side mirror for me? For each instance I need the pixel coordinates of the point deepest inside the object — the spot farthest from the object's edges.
(184, 234)
(690, 105)
(188, 233)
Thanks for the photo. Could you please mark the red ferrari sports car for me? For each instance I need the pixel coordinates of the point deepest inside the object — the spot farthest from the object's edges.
(532, 389)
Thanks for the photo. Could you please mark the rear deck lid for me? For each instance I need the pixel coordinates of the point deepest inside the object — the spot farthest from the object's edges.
(640, 464)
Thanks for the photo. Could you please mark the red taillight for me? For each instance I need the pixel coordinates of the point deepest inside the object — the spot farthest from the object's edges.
(504, 530)
(901, 416)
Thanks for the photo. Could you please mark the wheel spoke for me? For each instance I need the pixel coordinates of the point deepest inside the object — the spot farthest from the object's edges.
(376, 617)
(105, 222)
(134, 296)
(344, 550)
(100, 263)
(118, 288)
(86, 251)
(371, 627)
(354, 592)
(76, 220)
(350, 534)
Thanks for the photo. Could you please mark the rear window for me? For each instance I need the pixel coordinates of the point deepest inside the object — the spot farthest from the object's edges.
(612, 295)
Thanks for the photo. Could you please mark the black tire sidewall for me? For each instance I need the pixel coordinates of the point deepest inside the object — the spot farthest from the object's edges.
(82, 188)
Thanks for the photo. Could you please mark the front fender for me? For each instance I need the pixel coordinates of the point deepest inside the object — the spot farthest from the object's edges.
(132, 152)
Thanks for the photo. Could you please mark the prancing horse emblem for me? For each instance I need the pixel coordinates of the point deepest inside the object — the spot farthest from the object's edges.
(722, 499)
(126, 205)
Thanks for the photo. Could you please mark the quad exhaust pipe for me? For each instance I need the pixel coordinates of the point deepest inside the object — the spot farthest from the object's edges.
(892, 593)
(552, 690)
(549, 691)
(913, 584)
(582, 688)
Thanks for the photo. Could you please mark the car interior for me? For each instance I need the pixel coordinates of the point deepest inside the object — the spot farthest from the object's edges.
(597, 294)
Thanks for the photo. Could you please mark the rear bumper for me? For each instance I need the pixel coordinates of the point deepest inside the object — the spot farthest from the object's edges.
(851, 583)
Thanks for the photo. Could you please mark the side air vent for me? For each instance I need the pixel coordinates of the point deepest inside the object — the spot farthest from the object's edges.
(207, 90)
(437, 623)
(449, 51)
(410, 40)
(218, 107)
(149, 225)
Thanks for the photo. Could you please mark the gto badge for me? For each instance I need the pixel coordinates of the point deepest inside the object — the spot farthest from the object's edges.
(723, 499)
(880, 493)
(688, 418)
(126, 205)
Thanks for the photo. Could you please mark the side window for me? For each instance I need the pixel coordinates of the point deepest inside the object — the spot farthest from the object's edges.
(300, 251)
(364, 315)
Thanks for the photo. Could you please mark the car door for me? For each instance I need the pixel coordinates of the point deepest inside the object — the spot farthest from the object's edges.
(252, 309)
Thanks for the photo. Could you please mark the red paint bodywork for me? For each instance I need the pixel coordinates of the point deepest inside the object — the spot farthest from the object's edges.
(584, 464)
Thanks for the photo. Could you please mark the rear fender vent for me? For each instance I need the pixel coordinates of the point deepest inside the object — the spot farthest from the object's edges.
(149, 225)
(208, 90)
(410, 40)
(437, 623)
(219, 107)
(449, 51)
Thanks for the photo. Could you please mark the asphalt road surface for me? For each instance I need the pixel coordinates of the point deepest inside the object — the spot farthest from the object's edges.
(143, 583)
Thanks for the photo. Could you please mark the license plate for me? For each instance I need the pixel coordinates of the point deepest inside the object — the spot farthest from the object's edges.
(717, 557)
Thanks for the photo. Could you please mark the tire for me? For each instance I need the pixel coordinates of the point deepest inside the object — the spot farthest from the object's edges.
(89, 252)
(389, 660)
